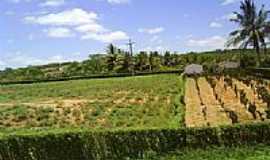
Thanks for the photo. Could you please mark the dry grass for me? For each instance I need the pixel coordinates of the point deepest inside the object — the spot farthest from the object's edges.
(194, 116)
(215, 114)
(221, 105)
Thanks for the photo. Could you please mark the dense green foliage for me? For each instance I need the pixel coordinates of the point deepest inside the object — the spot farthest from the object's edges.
(131, 102)
(122, 62)
(84, 145)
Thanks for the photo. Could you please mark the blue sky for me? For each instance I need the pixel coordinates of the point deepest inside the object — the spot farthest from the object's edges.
(37, 32)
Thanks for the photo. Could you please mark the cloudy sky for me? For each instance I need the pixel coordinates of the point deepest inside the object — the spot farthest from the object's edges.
(36, 32)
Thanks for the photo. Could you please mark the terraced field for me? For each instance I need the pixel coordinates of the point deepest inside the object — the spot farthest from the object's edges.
(134, 102)
(215, 101)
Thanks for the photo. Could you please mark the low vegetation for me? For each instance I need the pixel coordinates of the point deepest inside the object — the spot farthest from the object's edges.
(260, 152)
(132, 102)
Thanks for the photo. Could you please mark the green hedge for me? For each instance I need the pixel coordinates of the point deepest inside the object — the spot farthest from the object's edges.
(259, 72)
(91, 145)
(105, 75)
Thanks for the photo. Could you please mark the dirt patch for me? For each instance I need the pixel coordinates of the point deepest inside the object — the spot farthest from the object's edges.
(53, 103)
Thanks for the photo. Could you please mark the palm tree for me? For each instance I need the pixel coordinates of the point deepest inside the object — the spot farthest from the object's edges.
(252, 28)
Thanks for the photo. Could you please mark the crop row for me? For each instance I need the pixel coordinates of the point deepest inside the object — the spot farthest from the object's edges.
(224, 100)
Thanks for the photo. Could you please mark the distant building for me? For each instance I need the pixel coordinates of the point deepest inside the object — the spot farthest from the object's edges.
(229, 65)
(193, 69)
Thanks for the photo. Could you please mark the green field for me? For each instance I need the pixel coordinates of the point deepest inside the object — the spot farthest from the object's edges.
(259, 152)
(132, 102)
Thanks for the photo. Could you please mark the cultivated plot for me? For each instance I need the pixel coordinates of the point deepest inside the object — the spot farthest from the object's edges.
(225, 100)
(133, 102)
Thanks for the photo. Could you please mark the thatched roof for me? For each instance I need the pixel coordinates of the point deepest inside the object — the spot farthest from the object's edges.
(193, 69)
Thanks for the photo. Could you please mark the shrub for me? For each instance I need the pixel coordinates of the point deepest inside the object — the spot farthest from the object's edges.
(85, 144)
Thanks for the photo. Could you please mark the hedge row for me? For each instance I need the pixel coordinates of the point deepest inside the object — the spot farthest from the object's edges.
(90, 145)
(105, 75)
(259, 72)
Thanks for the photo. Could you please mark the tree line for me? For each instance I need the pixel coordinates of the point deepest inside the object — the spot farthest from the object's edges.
(119, 61)
(251, 37)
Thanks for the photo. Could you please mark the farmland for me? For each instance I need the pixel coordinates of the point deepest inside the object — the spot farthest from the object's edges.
(224, 100)
(136, 102)
(133, 102)
(131, 80)
(137, 117)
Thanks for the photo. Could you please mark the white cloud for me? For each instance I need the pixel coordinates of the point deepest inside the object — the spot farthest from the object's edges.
(81, 21)
(2, 64)
(229, 16)
(151, 30)
(53, 3)
(215, 25)
(227, 2)
(72, 17)
(94, 27)
(214, 42)
(59, 32)
(118, 1)
(153, 48)
(107, 37)
(19, 59)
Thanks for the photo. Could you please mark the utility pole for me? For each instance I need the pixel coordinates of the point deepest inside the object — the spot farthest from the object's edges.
(130, 44)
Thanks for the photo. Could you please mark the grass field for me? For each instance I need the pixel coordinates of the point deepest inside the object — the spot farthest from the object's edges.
(132, 102)
(259, 152)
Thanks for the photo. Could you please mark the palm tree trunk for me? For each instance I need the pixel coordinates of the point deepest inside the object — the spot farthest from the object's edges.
(265, 49)
(257, 48)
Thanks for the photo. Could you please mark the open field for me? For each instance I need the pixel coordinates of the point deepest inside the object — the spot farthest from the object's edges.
(134, 102)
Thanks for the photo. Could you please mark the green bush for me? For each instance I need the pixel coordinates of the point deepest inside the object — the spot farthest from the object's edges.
(86, 145)
(89, 145)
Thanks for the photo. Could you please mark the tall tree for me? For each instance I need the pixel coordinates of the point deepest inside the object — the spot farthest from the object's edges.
(111, 57)
(154, 61)
(252, 27)
(167, 58)
(142, 61)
